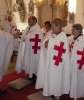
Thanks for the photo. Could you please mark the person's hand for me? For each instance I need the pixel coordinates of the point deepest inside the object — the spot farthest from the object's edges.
(16, 33)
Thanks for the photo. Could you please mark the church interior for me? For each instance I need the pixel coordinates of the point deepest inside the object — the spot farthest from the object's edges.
(70, 11)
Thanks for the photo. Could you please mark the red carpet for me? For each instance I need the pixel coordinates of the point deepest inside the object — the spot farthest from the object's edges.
(11, 94)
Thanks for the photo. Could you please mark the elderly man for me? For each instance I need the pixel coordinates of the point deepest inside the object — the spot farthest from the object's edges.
(28, 57)
(54, 76)
(7, 41)
(77, 63)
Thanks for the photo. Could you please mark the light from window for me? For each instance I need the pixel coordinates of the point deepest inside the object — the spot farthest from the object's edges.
(72, 6)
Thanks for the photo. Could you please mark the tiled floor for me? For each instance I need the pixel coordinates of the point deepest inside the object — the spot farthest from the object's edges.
(39, 96)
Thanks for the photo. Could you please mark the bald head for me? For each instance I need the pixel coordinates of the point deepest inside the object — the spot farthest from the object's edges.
(32, 20)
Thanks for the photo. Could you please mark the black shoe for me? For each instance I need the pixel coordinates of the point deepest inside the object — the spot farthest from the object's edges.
(34, 78)
(30, 79)
(2, 93)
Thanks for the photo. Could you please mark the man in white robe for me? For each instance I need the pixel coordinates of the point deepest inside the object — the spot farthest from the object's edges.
(31, 52)
(10, 27)
(6, 50)
(77, 63)
(19, 62)
(42, 60)
(57, 67)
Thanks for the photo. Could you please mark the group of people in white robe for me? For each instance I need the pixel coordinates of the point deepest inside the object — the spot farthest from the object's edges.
(61, 67)
(55, 65)
(55, 60)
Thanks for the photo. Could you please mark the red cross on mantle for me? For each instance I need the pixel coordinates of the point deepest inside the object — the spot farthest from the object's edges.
(36, 40)
(81, 61)
(60, 50)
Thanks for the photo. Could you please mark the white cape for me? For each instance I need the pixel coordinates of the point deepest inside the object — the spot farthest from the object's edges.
(31, 59)
(42, 62)
(57, 77)
(26, 59)
(6, 50)
(77, 80)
